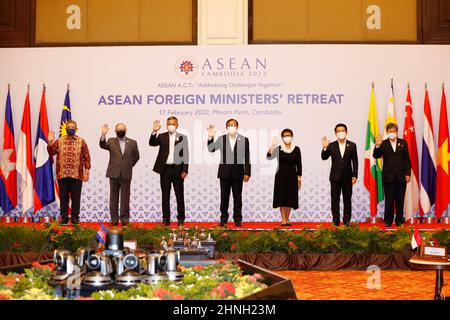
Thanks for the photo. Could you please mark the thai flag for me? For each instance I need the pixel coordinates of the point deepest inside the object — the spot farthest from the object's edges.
(24, 165)
(8, 173)
(101, 234)
(44, 192)
(428, 174)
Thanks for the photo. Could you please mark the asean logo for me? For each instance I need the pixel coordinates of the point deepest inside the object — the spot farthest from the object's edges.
(186, 67)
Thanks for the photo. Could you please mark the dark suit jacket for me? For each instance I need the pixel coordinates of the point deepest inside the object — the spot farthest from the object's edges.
(232, 164)
(120, 165)
(396, 165)
(346, 167)
(181, 153)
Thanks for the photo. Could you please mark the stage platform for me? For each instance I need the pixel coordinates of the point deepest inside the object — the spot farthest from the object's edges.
(253, 226)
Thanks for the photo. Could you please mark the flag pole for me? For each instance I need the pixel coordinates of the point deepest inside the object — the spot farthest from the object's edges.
(426, 86)
(392, 84)
(68, 86)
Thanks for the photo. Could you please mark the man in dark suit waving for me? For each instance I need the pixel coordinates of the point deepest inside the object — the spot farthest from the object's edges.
(123, 156)
(172, 164)
(396, 173)
(234, 168)
(344, 171)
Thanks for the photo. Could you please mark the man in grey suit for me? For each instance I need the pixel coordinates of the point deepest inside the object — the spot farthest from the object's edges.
(123, 155)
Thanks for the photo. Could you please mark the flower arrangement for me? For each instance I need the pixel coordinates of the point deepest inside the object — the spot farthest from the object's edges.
(221, 281)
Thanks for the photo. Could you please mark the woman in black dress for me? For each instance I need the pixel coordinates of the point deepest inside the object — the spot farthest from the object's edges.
(288, 178)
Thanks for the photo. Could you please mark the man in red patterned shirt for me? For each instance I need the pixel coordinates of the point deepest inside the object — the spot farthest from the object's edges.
(72, 168)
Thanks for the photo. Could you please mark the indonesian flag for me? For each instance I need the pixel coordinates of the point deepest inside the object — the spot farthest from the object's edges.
(443, 158)
(372, 167)
(428, 173)
(409, 135)
(390, 114)
(416, 240)
(24, 163)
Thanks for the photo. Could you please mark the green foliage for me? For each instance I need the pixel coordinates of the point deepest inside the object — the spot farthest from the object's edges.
(350, 240)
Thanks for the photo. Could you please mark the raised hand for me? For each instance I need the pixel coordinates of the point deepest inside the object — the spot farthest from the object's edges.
(156, 125)
(325, 142)
(211, 131)
(275, 141)
(51, 137)
(379, 140)
(105, 129)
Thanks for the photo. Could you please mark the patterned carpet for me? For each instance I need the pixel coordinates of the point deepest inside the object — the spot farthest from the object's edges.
(352, 285)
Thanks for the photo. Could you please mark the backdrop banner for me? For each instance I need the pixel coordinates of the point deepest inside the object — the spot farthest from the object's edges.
(307, 88)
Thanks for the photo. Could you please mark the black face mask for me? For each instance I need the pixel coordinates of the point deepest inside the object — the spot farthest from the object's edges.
(120, 134)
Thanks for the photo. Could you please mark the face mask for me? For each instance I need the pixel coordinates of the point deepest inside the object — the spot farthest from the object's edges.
(120, 134)
(171, 128)
(392, 135)
(70, 132)
(232, 130)
(341, 135)
(287, 139)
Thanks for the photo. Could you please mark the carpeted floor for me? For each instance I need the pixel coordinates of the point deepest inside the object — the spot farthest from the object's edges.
(352, 285)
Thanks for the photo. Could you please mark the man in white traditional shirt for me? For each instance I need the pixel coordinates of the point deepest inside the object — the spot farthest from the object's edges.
(172, 164)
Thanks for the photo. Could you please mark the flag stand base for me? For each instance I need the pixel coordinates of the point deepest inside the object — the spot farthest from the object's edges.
(430, 220)
(26, 219)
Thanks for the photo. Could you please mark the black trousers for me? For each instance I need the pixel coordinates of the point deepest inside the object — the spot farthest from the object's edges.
(394, 195)
(119, 187)
(346, 188)
(226, 186)
(172, 176)
(70, 187)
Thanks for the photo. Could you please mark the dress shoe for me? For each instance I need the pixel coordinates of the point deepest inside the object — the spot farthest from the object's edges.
(180, 223)
(388, 224)
(238, 224)
(166, 223)
(398, 223)
(125, 223)
(223, 224)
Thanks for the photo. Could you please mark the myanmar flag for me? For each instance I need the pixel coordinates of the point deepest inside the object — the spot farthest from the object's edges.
(372, 167)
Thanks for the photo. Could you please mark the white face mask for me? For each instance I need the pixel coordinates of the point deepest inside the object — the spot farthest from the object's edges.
(171, 128)
(287, 139)
(392, 135)
(341, 135)
(232, 130)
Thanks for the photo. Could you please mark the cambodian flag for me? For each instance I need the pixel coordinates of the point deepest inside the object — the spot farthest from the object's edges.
(428, 174)
(44, 192)
(101, 234)
(8, 173)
